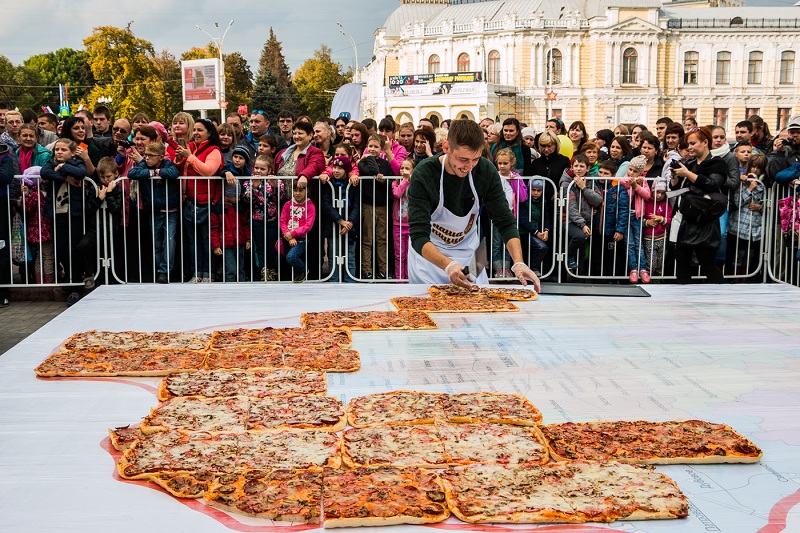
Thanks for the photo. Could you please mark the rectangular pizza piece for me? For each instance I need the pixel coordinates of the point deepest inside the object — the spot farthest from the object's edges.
(418, 446)
(507, 293)
(645, 442)
(288, 449)
(490, 407)
(121, 362)
(323, 413)
(280, 337)
(382, 496)
(397, 407)
(198, 413)
(324, 358)
(483, 442)
(127, 340)
(252, 356)
(368, 320)
(467, 303)
(283, 495)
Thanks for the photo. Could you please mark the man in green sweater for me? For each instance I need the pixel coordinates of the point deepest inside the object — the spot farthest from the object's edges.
(444, 200)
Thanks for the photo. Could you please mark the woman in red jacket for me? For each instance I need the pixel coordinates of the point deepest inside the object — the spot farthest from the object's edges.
(201, 158)
(307, 163)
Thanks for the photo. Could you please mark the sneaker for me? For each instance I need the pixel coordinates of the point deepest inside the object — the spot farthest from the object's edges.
(73, 298)
(4, 302)
(195, 279)
(633, 276)
(382, 275)
(162, 279)
(264, 274)
(572, 264)
(272, 274)
(88, 282)
(645, 276)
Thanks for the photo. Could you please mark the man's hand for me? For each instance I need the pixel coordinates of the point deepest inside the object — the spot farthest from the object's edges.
(346, 226)
(618, 236)
(525, 274)
(455, 272)
(587, 231)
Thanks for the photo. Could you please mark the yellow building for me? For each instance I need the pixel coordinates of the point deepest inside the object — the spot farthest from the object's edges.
(605, 61)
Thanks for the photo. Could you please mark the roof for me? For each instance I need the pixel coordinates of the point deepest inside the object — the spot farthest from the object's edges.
(761, 12)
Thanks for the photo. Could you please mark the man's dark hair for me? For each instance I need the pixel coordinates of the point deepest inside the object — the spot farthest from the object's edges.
(609, 165)
(665, 120)
(102, 110)
(745, 124)
(465, 133)
(50, 117)
(28, 116)
(287, 114)
(370, 124)
(434, 120)
(234, 114)
(581, 158)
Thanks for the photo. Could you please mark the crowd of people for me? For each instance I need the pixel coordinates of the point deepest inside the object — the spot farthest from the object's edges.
(199, 200)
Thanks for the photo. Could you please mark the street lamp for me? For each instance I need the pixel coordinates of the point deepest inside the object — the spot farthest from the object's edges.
(353, 44)
(218, 42)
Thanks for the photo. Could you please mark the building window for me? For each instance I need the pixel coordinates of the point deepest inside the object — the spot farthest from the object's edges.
(783, 117)
(721, 117)
(690, 60)
(433, 64)
(554, 63)
(754, 63)
(786, 75)
(558, 113)
(723, 68)
(463, 62)
(494, 67)
(750, 111)
(630, 60)
(689, 112)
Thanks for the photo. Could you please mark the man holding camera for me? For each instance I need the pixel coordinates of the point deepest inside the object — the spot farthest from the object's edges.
(786, 151)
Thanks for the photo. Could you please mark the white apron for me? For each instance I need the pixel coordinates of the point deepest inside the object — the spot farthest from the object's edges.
(454, 236)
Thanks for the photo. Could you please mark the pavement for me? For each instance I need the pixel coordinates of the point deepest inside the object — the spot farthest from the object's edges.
(24, 317)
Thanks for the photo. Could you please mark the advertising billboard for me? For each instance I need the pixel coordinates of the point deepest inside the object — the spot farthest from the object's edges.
(200, 84)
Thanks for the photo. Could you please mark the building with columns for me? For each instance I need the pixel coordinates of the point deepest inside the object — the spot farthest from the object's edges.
(602, 61)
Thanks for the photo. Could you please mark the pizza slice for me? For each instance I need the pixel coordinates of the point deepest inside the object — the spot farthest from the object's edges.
(369, 320)
(124, 437)
(502, 444)
(288, 449)
(490, 407)
(129, 340)
(250, 383)
(382, 496)
(184, 484)
(262, 356)
(283, 495)
(506, 293)
(280, 337)
(397, 407)
(322, 413)
(198, 413)
(283, 382)
(467, 303)
(418, 446)
(325, 358)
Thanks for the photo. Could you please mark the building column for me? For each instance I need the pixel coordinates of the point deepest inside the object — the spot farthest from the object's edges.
(609, 64)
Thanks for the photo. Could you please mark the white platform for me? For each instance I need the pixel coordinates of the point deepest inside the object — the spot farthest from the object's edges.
(727, 354)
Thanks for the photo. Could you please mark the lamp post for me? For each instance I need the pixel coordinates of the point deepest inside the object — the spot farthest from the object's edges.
(218, 42)
(355, 48)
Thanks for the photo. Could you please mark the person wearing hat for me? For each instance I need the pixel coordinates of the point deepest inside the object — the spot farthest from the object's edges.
(657, 216)
(638, 193)
(346, 225)
(785, 151)
(445, 196)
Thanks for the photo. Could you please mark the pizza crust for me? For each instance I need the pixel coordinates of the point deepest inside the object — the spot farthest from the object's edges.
(381, 521)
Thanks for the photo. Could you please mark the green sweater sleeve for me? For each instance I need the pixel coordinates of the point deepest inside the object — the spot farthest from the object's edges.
(423, 199)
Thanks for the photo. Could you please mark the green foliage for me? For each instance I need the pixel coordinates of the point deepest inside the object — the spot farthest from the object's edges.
(273, 80)
(313, 78)
(66, 65)
(167, 91)
(267, 95)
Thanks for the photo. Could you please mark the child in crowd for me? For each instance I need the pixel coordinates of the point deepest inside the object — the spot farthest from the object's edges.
(743, 151)
(745, 223)
(400, 217)
(638, 193)
(105, 190)
(583, 197)
(262, 196)
(297, 219)
(230, 230)
(160, 192)
(336, 227)
(657, 216)
(64, 182)
(374, 196)
(342, 150)
(39, 227)
(516, 193)
(534, 222)
(267, 146)
(609, 252)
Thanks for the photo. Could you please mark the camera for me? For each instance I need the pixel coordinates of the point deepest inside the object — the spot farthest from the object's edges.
(675, 164)
(125, 144)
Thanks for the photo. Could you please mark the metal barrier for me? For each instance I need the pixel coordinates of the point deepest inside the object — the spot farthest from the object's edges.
(153, 235)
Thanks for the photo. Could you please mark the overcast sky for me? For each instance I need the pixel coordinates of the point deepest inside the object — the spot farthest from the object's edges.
(29, 27)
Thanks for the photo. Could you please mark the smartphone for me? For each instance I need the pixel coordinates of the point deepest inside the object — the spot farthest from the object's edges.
(84, 146)
(182, 142)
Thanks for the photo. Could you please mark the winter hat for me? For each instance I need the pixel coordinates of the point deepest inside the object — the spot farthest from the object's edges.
(162, 131)
(528, 132)
(660, 185)
(638, 163)
(537, 182)
(343, 162)
(242, 151)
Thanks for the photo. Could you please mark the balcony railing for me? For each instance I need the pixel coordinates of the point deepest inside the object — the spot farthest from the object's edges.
(763, 23)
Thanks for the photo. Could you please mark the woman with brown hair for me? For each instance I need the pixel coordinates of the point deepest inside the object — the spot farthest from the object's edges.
(358, 138)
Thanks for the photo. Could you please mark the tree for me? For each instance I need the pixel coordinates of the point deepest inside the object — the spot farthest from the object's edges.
(314, 77)
(238, 76)
(20, 87)
(273, 76)
(167, 90)
(122, 65)
(67, 66)
(267, 95)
